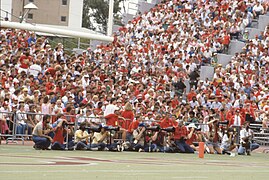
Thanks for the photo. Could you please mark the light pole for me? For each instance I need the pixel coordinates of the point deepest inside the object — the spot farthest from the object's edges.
(28, 8)
(110, 18)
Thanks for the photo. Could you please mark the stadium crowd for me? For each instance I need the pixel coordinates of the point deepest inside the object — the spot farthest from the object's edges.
(139, 81)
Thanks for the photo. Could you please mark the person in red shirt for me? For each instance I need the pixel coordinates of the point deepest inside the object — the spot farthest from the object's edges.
(192, 137)
(60, 133)
(128, 115)
(166, 121)
(180, 137)
(25, 62)
(191, 94)
(133, 126)
(250, 113)
(113, 120)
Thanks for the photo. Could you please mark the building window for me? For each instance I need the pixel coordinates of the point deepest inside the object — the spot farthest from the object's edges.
(31, 1)
(63, 18)
(30, 16)
(64, 2)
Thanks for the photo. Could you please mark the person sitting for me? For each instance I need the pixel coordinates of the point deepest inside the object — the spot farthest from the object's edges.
(42, 133)
(101, 139)
(82, 137)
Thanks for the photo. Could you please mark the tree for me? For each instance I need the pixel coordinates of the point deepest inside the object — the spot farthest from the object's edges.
(95, 14)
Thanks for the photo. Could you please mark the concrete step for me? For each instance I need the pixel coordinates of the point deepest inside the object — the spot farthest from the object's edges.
(224, 59)
(263, 22)
(235, 47)
(253, 31)
(145, 6)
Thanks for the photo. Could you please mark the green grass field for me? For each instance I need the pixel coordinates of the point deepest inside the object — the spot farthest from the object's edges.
(23, 162)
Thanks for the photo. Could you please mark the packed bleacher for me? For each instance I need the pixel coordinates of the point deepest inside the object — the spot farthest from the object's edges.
(139, 81)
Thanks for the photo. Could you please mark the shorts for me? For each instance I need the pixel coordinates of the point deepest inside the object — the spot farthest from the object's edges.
(212, 144)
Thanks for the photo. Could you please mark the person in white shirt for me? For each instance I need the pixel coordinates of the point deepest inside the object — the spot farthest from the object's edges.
(246, 145)
(85, 81)
(110, 109)
(21, 120)
(94, 118)
(4, 117)
(227, 141)
(258, 9)
(35, 69)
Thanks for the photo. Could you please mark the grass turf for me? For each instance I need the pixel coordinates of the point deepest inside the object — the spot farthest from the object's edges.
(23, 162)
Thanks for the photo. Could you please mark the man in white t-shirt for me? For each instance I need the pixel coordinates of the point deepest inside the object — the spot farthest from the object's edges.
(258, 9)
(110, 109)
(35, 69)
(246, 145)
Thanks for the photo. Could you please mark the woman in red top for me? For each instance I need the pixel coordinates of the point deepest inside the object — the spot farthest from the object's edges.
(128, 115)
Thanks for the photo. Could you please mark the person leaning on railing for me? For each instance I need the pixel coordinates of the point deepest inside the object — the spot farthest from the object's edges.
(41, 133)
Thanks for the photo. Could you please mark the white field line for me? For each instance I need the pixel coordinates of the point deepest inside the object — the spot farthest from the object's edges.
(135, 171)
(190, 177)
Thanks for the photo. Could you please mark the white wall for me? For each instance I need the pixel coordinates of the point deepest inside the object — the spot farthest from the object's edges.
(75, 13)
(6, 5)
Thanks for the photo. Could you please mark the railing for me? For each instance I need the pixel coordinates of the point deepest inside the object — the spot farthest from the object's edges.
(11, 120)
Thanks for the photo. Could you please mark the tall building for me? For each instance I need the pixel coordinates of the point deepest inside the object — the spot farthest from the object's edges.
(51, 12)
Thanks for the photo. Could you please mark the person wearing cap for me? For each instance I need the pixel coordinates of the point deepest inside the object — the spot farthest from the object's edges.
(180, 137)
(237, 120)
(138, 135)
(85, 81)
(193, 136)
(100, 140)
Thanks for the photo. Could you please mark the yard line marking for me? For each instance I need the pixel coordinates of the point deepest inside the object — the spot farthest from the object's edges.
(132, 171)
(190, 177)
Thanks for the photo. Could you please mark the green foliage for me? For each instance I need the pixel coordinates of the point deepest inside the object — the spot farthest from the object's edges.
(98, 10)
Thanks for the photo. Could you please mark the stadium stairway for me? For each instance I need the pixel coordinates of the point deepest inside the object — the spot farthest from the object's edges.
(261, 136)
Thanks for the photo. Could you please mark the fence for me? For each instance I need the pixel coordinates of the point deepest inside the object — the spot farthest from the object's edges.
(22, 130)
(20, 126)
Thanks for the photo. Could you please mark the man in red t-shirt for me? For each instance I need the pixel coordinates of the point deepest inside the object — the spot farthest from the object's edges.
(60, 133)
(180, 137)
(166, 121)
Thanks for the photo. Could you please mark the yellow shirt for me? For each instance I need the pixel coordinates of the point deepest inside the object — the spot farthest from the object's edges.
(79, 134)
(97, 136)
